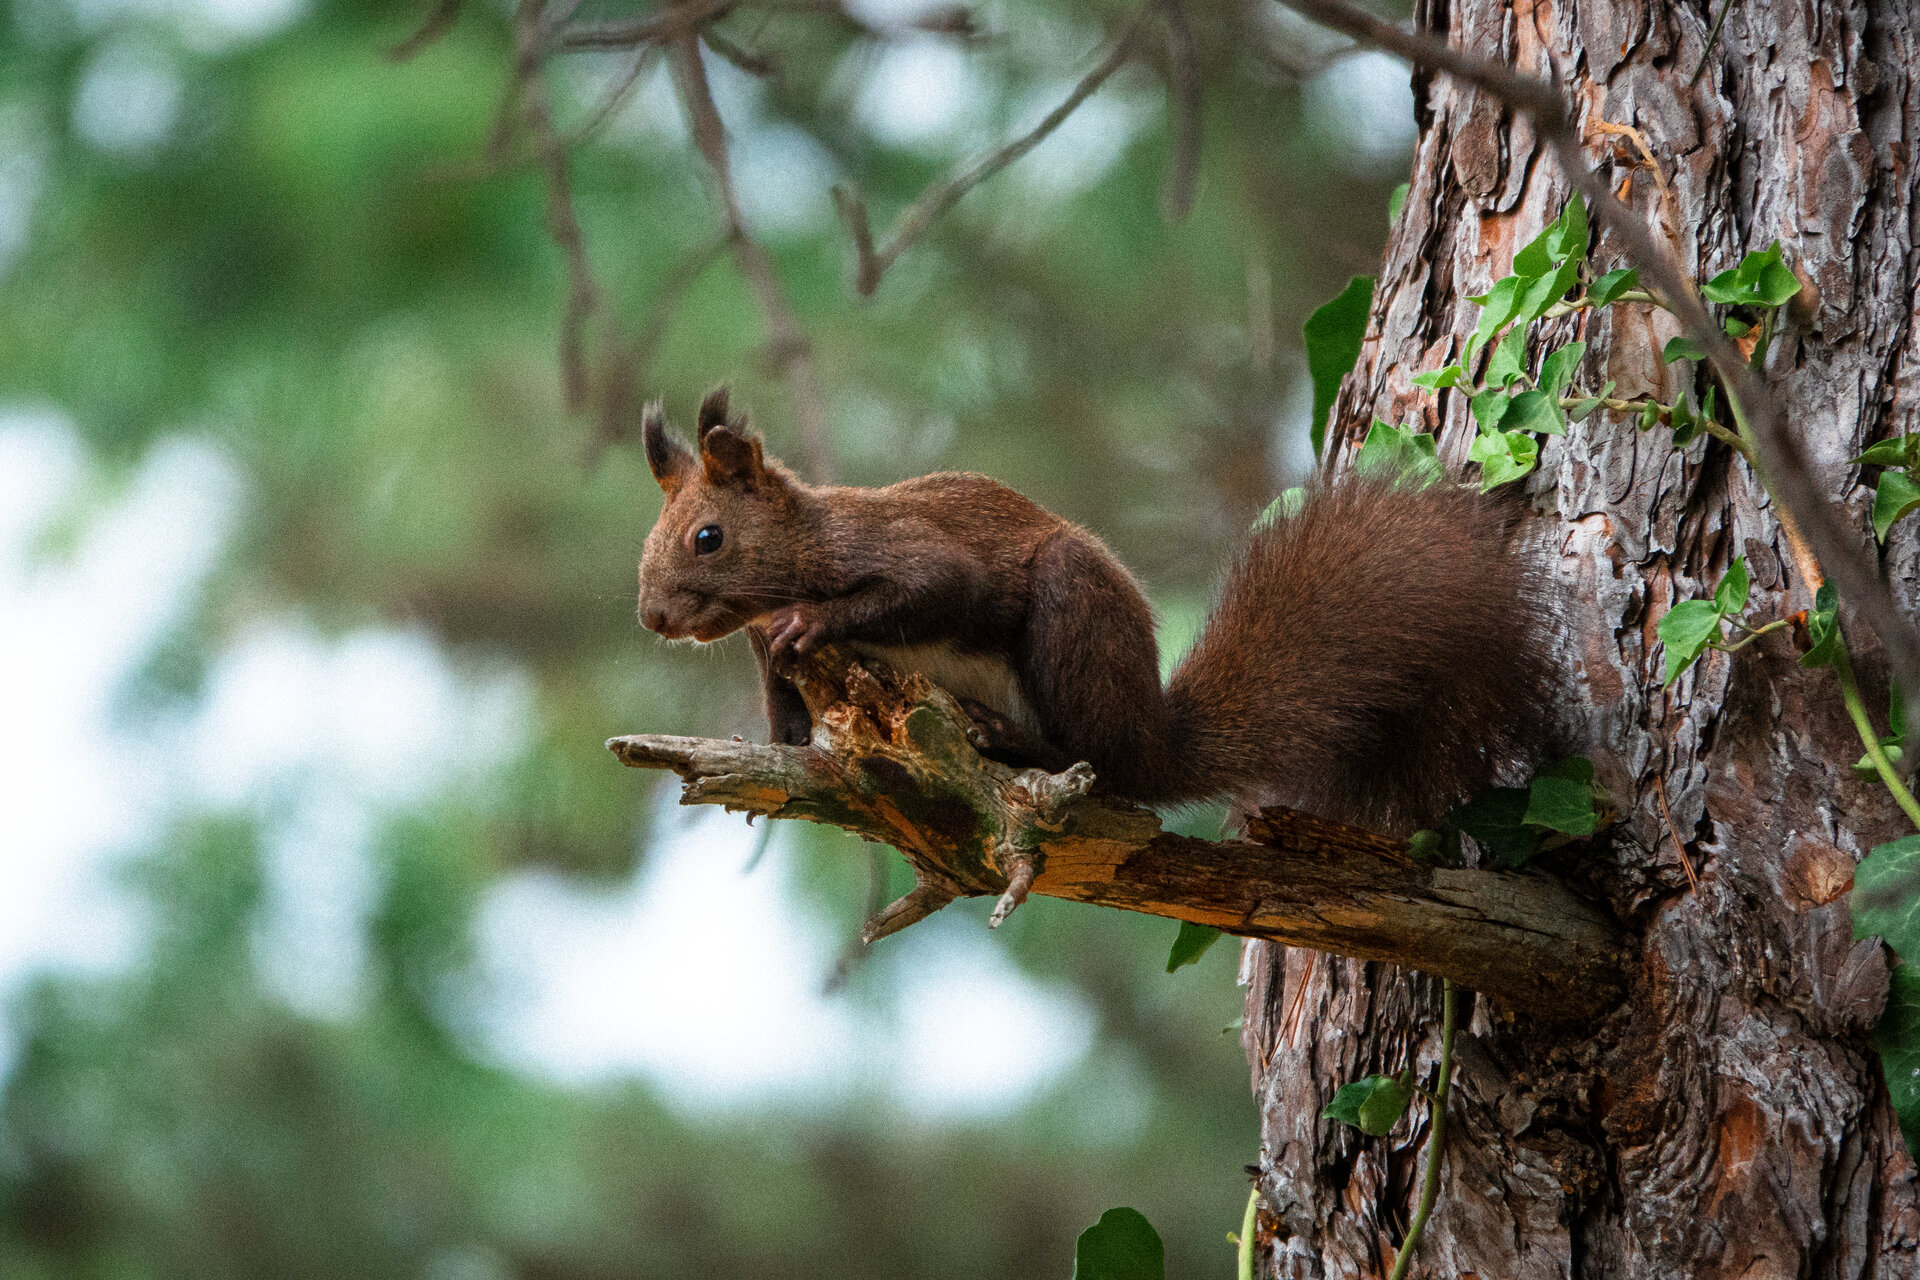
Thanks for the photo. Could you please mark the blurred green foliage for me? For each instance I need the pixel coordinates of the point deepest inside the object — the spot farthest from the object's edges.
(304, 266)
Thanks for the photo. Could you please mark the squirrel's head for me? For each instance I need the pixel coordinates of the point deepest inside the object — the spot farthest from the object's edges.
(720, 554)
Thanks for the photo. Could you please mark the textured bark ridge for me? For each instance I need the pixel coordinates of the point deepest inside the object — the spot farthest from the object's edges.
(892, 761)
(1728, 1119)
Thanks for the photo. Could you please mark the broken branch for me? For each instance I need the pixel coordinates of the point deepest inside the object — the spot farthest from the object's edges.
(890, 761)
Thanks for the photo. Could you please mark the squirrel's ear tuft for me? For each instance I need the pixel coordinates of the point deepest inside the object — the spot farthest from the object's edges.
(732, 457)
(714, 412)
(668, 459)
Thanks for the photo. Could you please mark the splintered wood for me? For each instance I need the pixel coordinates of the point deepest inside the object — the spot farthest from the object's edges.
(891, 761)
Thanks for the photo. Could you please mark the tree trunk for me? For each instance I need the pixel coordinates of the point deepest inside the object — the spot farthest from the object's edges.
(1729, 1118)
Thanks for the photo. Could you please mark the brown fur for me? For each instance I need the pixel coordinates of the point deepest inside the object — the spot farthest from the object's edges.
(1372, 659)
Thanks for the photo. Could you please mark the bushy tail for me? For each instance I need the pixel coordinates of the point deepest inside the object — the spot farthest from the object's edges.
(1374, 658)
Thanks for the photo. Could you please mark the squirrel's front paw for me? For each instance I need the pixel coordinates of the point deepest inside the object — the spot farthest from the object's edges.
(798, 627)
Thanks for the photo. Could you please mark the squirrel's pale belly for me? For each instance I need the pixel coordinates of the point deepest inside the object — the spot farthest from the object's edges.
(985, 679)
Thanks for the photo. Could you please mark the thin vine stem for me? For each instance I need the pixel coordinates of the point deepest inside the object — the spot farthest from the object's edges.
(1842, 659)
(1857, 708)
(1436, 1136)
(1248, 1225)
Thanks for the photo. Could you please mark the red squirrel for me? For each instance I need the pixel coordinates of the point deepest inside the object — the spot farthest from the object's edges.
(1374, 656)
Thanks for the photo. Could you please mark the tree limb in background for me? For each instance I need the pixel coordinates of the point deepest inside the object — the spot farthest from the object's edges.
(1805, 514)
(1183, 113)
(788, 351)
(873, 263)
(625, 372)
(893, 762)
(438, 22)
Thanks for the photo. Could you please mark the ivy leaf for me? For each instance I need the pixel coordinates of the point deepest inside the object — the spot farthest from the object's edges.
(1534, 261)
(1582, 409)
(1823, 627)
(1761, 280)
(1900, 451)
(1567, 237)
(1682, 348)
(1396, 201)
(1489, 406)
(1373, 1105)
(1440, 379)
(1886, 895)
(1534, 411)
(1504, 456)
(1333, 334)
(1556, 371)
(1649, 415)
(1610, 286)
(1730, 597)
(1893, 498)
(1736, 327)
(1497, 818)
(1897, 1041)
(1399, 453)
(1562, 804)
(1121, 1246)
(1190, 944)
(1509, 360)
(1497, 307)
(1435, 848)
(1685, 631)
(1548, 289)
(1685, 425)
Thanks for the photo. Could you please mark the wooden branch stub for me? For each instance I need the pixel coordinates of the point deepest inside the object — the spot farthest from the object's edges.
(890, 760)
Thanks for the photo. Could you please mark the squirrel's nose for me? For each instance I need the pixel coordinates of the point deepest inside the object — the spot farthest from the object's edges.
(654, 619)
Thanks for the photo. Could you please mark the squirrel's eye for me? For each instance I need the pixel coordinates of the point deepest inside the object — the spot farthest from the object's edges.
(708, 540)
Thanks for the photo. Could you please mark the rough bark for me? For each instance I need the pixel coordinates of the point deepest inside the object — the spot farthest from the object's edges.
(1728, 1119)
(892, 761)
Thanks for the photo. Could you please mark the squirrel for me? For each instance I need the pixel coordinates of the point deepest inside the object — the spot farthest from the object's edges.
(1375, 655)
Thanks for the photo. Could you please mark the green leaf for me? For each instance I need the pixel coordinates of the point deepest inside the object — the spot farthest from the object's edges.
(1534, 411)
(1730, 597)
(1333, 335)
(1886, 895)
(1893, 498)
(1736, 327)
(1190, 944)
(1761, 280)
(1288, 504)
(1561, 804)
(1685, 631)
(1400, 453)
(1497, 818)
(1440, 378)
(1533, 261)
(1649, 415)
(1897, 713)
(1547, 290)
(1682, 348)
(1901, 451)
(1556, 371)
(1578, 768)
(1121, 1246)
(1373, 1105)
(1567, 237)
(1509, 360)
(1582, 409)
(1489, 406)
(1897, 1041)
(1706, 409)
(1504, 456)
(1685, 424)
(1867, 771)
(1433, 848)
(1396, 200)
(1611, 285)
(1497, 307)
(1823, 627)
